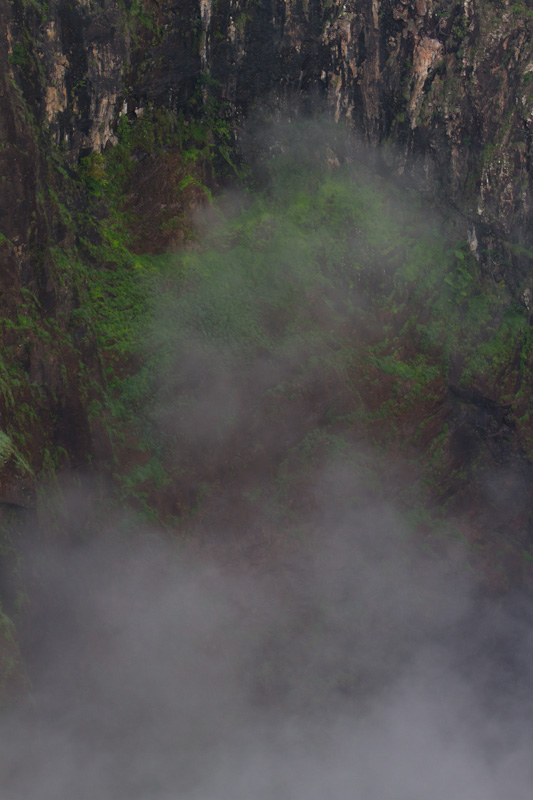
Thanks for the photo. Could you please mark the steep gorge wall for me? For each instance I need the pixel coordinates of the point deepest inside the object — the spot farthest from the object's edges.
(447, 85)
(445, 88)
(44, 347)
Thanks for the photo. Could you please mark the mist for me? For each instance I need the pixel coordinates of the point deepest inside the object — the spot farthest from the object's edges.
(358, 666)
(290, 634)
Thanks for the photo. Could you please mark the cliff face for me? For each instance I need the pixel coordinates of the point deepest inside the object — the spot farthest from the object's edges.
(445, 89)
(41, 347)
(447, 85)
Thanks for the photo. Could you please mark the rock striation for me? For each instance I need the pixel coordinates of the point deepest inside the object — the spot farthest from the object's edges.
(448, 85)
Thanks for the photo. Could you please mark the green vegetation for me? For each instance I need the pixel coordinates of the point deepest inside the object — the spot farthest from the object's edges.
(321, 276)
(520, 10)
(351, 296)
(322, 288)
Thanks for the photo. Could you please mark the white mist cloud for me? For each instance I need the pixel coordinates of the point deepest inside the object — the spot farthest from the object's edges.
(358, 667)
(348, 663)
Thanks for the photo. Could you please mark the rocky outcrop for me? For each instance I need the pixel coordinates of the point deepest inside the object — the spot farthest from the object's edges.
(447, 86)
(46, 345)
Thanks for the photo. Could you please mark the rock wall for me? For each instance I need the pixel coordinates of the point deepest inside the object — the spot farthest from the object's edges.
(41, 392)
(447, 85)
(444, 88)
